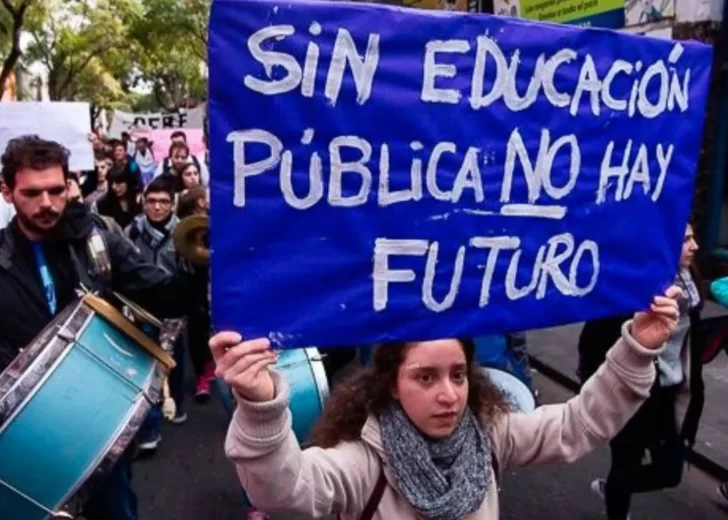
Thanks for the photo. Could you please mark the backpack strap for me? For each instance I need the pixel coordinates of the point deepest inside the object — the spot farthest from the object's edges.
(373, 503)
(496, 468)
(375, 497)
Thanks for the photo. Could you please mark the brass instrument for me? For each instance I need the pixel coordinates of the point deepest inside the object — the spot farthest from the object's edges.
(191, 239)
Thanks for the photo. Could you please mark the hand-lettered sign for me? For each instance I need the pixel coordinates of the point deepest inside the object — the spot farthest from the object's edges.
(381, 173)
(182, 120)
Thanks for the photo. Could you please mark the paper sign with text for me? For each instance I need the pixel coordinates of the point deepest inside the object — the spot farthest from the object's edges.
(182, 120)
(66, 122)
(381, 173)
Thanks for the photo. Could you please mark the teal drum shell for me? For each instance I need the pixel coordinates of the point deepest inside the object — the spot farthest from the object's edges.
(304, 371)
(69, 407)
(306, 376)
(514, 391)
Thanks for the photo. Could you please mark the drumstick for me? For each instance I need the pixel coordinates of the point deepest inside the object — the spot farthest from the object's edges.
(169, 408)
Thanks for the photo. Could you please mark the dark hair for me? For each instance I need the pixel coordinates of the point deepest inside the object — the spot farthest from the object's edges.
(118, 175)
(188, 201)
(178, 146)
(125, 135)
(116, 142)
(369, 390)
(30, 151)
(159, 185)
(178, 133)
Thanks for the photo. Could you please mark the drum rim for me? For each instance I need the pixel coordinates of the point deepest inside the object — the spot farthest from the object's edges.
(35, 348)
(100, 468)
(25, 376)
(33, 365)
(319, 374)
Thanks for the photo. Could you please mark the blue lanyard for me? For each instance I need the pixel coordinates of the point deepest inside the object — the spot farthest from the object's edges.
(46, 277)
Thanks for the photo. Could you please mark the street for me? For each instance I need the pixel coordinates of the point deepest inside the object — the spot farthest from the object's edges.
(190, 479)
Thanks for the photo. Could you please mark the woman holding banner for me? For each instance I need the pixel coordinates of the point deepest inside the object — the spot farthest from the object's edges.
(422, 433)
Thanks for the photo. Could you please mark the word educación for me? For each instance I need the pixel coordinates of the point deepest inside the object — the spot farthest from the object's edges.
(560, 259)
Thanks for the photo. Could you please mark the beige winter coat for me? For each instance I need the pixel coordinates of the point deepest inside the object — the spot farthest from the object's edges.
(281, 478)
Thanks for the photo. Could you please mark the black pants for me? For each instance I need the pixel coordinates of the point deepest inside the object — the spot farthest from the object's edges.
(198, 330)
(115, 499)
(651, 433)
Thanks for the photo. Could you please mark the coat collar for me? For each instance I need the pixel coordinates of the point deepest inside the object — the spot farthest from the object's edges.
(76, 224)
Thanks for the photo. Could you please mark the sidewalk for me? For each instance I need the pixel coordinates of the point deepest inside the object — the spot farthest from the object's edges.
(556, 349)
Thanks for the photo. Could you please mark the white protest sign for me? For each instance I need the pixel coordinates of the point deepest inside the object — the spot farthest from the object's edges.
(68, 123)
(126, 121)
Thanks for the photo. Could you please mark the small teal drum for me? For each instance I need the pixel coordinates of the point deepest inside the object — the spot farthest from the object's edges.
(514, 391)
(304, 370)
(70, 404)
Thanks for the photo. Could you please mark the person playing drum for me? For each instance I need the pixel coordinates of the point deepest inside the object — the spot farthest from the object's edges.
(422, 434)
(43, 260)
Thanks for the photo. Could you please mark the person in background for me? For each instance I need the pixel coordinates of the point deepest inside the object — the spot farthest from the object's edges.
(74, 189)
(190, 177)
(179, 159)
(120, 202)
(98, 144)
(195, 202)
(144, 157)
(719, 290)
(151, 233)
(170, 164)
(128, 143)
(97, 184)
(668, 421)
(124, 161)
(75, 196)
(7, 210)
(422, 433)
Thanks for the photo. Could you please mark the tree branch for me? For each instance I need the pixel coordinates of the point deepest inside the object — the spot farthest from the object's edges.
(14, 55)
(9, 7)
(73, 72)
(157, 89)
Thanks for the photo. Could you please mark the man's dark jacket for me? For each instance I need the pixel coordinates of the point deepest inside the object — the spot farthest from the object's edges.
(24, 311)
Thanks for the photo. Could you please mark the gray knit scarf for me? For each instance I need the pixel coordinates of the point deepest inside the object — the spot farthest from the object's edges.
(153, 236)
(442, 480)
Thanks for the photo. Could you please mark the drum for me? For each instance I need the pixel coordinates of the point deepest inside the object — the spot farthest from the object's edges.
(515, 391)
(70, 404)
(304, 371)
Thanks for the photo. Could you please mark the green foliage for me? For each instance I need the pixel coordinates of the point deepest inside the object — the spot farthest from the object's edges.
(16, 16)
(82, 44)
(173, 36)
(104, 51)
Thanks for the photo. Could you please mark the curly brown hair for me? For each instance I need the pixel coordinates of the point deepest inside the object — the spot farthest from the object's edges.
(369, 390)
(30, 151)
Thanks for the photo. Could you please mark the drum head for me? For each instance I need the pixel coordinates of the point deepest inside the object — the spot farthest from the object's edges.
(515, 391)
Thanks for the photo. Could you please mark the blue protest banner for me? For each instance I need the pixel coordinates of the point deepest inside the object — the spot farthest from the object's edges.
(380, 173)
